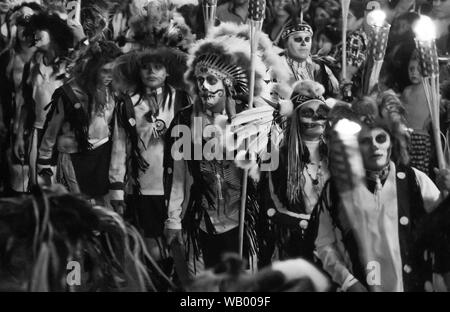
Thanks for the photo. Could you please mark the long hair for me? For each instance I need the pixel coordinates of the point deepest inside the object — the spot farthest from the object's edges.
(60, 33)
(298, 154)
(86, 70)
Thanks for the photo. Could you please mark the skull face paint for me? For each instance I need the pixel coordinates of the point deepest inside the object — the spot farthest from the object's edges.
(313, 117)
(375, 145)
(299, 45)
(211, 91)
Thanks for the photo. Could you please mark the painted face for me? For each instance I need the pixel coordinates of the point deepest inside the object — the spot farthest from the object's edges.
(414, 72)
(211, 91)
(105, 74)
(42, 40)
(313, 117)
(153, 75)
(375, 146)
(299, 45)
(441, 9)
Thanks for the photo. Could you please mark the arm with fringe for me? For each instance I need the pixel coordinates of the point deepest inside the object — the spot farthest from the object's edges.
(117, 167)
(50, 136)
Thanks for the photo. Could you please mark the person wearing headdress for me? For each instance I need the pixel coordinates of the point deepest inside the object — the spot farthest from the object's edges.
(13, 59)
(153, 93)
(297, 37)
(77, 129)
(46, 72)
(158, 24)
(219, 73)
(367, 232)
(293, 188)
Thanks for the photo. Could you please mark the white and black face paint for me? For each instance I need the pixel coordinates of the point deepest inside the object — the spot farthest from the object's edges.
(211, 91)
(375, 145)
(313, 117)
(299, 45)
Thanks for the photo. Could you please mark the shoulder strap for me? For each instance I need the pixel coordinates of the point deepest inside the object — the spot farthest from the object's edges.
(77, 116)
(128, 122)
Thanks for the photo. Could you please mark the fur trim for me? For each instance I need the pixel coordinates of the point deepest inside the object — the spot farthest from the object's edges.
(366, 108)
(286, 107)
(308, 88)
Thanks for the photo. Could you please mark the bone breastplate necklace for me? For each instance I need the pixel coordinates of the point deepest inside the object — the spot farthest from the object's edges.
(299, 69)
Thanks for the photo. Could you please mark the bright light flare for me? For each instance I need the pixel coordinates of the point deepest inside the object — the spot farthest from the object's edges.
(425, 29)
(376, 18)
(347, 128)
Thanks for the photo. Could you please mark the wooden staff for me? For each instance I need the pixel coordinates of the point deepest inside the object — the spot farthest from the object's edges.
(345, 10)
(256, 12)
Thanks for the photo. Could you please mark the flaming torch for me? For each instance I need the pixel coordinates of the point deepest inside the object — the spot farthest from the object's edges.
(256, 11)
(377, 41)
(348, 173)
(345, 158)
(209, 14)
(429, 63)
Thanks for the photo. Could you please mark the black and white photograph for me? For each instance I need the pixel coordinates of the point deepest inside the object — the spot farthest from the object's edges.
(240, 148)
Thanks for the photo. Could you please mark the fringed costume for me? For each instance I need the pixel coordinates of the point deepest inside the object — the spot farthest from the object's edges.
(292, 190)
(78, 130)
(218, 70)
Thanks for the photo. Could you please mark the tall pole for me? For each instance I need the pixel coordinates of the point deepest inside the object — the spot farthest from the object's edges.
(209, 14)
(345, 10)
(256, 12)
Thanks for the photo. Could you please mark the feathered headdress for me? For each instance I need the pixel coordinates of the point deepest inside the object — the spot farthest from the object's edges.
(160, 26)
(269, 54)
(227, 56)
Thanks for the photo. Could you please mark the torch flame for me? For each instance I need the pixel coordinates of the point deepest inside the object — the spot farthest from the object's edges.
(425, 29)
(376, 18)
(347, 128)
